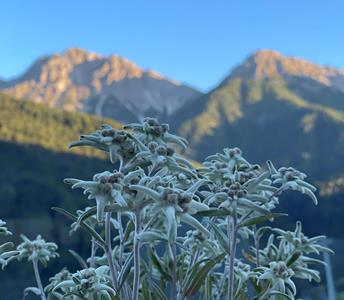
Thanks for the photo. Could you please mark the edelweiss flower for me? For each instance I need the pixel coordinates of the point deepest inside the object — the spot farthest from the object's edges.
(162, 157)
(35, 250)
(151, 130)
(175, 202)
(279, 275)
(87, 284)
(106, 188)
(301, 242)
(116, 142)
(290, 178)
(59, 277)
(3, 228)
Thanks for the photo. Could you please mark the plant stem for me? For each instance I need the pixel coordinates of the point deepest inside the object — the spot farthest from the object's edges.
(137, 255)
(256, 245)
(121, 238)
(149, 275)
(174, 272)
(38, 279)
(232, 231)
(108, 250)
(120, 164)
(193, 258)
(222, 283)
(93, 252)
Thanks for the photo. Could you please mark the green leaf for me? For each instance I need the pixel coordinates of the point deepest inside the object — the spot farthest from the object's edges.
(252, 183)
(6, 247)
(115, 208)
(260, 219)
(34, 290)
(221, 237)
(293, 258)
(255, 284)
(146, 190)
(251, 205)
(83, 225)
(64, 284)
(152, 236)
(262, 291)
(145, 292)
(128, 229)
(180, 169)
(274, 293)
(186, 218)
(197, 280)
(87, 214)
(213, 212)
(157, 264)
(125, 270)
(249, 257)
(137, 141)
(158, 291)
(271, 167)
(208, 288)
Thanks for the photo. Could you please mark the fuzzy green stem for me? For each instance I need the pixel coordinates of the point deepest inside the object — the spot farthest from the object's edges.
(38, 279)
(256, 245)
(93, 252)
(232, 232)
(108, 250)
(174, 272)
(121, 238)
(137, 256)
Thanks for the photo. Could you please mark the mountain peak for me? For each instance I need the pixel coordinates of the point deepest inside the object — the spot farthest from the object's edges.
(79, 80)
(78, 55)
(266, 54)
(267, 63)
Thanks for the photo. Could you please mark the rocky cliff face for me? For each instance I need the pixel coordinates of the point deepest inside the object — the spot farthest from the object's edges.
(272, 106)
(267, 63)
(110, 86)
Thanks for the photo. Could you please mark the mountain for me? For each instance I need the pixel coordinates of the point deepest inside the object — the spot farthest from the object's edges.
(282, 108)
(27, 123)
(109, 86)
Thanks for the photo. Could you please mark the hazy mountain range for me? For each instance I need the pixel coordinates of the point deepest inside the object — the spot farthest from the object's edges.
(270, 105)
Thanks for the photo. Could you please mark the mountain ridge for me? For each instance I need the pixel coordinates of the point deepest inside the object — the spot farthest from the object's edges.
(267, 63)
(266, 90)
(77, 80)
(292, 117)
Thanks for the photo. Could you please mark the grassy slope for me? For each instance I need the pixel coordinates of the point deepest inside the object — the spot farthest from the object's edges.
(29, 123)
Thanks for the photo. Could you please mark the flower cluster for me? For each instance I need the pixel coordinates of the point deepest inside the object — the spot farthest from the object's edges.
(187, 221)
(3, 228)
(288, 259)
(86, 284)
(5, 248)
(34, 250)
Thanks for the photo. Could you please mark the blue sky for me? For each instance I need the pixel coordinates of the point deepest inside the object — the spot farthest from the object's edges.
(197, 42)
